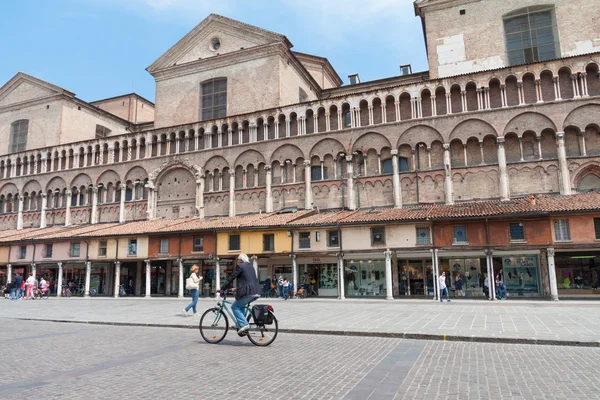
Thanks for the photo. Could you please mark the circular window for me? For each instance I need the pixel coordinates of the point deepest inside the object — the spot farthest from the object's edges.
(215, 44)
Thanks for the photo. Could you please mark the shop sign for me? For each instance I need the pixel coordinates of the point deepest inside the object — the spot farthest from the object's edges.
(316, 261)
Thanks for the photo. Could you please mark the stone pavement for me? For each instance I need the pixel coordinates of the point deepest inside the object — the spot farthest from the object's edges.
(56, 361)
(566, 322)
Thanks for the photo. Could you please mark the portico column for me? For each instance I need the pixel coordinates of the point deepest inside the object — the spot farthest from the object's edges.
(435, 267)
(232, 193)
(33, 270)
(180, 287)
(308, 184)
(396, 180)
(20, 214)
(122, 205)
(9, 273)
(117, 279)
(490, 271)
(340, 257)
(148, 278)
(552, 274)
(504, 193)
(43, 210)
(269, 198)
(68, 195)
(88, 272)
(448, 175)
(388, 275)
(59, 281)
(350, 184)
(294, 272)
(150, 206)
(217, 276)
(565, 177)
(94, 204)
(255, 265)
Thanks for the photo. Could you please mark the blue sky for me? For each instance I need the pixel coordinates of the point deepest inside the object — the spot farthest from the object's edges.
(100, 48)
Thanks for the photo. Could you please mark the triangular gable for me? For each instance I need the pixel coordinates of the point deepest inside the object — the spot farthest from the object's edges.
(198, 43)
(22, 88)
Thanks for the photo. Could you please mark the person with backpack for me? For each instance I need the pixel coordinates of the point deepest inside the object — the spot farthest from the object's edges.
(267, 287)
(192, 284)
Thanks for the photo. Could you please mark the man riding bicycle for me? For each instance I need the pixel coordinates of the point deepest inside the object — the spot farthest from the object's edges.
(247, 290)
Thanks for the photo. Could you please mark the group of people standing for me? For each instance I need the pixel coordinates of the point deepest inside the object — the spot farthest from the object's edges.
(25, 288)
(459, 290)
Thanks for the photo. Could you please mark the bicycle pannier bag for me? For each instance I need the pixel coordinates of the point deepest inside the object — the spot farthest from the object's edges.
(261, 315)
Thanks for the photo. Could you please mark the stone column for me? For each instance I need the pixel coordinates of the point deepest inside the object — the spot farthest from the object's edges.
(582, 149)
(389, 294)
(200, 197)
(448, 175)
(150, 208)
(396, 180)
(504, 192)
(552, 275)
(43, 210)
(269, 198)
(350, 185)
(122, 205)
(69, 195)
(435, 268)
(217, 276)
(180, 287)
(117, 278)
(308, 184)
(232, 193)
(294, 273)
(148, 278)
(20, 214)
(490, 271)
(565, 176)
(255, 264)
(88, 272)
(94, 204)
(33, 270)
(138, 278)
(340, 262)
(9, 273)
(59, 281)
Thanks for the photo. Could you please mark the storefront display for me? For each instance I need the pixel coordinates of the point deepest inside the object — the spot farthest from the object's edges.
(100, 276)
(472, 273)
(577, 273)
(521, 275)
(415, 278)
(364, 278)
(327, 280)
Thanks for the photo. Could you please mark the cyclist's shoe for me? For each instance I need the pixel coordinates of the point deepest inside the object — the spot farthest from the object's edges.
(243, 330)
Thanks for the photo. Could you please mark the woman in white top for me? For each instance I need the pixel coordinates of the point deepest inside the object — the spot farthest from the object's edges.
(29, 285)
(192, 284)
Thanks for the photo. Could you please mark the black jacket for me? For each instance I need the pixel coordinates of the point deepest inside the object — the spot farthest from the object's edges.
(18, 282)
(247, 282)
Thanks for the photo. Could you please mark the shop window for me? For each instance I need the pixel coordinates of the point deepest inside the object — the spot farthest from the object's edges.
(378, 236)
(22, 252)
(269, 242)
(75, 249)
(597, 227)
(516, 232)
(423, 235)
(562, 233)
(132, 247)
(460, 234)
(530, 35)
(333, 238)
(164, 246)
(234, 242)
(48, 251)
(102, 248)
(305, 240)
(199, 244)
(214, 98)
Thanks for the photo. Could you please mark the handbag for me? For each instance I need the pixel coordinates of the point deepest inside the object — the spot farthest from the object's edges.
(190, 284)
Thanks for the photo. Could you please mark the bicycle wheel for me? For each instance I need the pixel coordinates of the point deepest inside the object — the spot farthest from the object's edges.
(213, 325)
(68, 293)
(274, 293)
(263, 335)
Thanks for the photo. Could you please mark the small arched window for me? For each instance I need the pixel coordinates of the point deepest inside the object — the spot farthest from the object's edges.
(531, 35)
(403, 164)
(213, 94)
(18, 136)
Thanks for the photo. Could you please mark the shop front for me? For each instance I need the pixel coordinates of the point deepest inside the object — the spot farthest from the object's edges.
(128, 272)
(522, 276)
(101, 278)
(50, 273)
(578, 273)
(320, 274)
(3, 275)
(209, 272)
(415, 277)
(472, 271)
(364, 275)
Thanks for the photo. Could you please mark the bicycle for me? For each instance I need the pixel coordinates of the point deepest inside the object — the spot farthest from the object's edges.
(214, 324)
(42, 293)
(66, 291)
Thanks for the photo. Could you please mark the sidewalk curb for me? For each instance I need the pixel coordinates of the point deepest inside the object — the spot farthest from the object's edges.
(391, 335)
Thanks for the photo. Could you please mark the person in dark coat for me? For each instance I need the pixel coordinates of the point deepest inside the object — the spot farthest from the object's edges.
(247, 290)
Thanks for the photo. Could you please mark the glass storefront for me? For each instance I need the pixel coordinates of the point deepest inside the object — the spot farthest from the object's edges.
(74, 277)
(127, 279)
(578, 273)
(521, 275)
(364, 278)
(415, 278)
(50, 274)
(100, 277)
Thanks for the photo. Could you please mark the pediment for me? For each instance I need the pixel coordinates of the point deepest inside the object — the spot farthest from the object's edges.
(215, 36)
(23, 88)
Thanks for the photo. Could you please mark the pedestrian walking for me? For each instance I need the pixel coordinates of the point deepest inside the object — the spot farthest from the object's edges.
(16, 287)
(500, 288)
(192, 284)
(286, 288)
(29, 285)
(486, 285)
(280, 285)
(443, 288)
(267, 287)
(458, 286)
